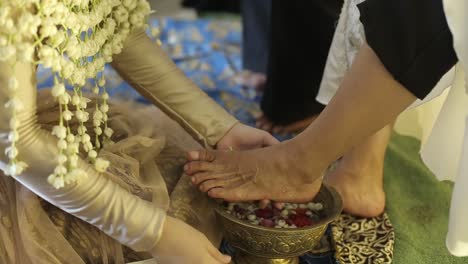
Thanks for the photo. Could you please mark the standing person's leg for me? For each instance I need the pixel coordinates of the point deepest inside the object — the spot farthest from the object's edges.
(289, 101)
(358, 176)
(256, 34)
(404, 62)
(255, 42)
(291, 171)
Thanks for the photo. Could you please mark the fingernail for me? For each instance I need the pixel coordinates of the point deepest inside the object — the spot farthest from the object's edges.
(186, 167)
(193, 179)
(227, 258)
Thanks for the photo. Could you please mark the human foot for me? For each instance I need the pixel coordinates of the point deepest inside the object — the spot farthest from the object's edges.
(361, 197)
(359, 176)
(263, 122)
(276, 173)
(252, 80)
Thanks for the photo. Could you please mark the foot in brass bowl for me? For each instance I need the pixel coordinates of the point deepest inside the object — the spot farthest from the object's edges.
(265, 245)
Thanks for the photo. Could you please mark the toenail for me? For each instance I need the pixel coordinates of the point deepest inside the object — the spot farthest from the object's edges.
(195, 155)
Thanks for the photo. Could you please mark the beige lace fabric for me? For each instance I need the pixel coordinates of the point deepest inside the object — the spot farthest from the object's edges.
(146, 159)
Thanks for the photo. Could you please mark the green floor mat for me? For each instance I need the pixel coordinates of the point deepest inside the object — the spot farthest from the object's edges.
(418, 206)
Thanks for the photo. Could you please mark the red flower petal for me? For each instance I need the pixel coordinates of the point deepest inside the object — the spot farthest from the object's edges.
(264, 213)
(267, 223)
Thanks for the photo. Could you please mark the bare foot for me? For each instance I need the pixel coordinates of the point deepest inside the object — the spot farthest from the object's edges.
(359, 176)
(275, 173)
(251, 80)
(263, 122)
(361, 197)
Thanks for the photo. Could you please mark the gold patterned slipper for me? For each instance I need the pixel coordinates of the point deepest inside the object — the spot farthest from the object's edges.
(360, 240)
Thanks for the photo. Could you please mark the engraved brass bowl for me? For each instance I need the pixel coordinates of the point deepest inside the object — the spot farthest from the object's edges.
(265, 245)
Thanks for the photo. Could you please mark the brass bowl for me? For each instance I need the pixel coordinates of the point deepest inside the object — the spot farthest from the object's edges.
(265, 245)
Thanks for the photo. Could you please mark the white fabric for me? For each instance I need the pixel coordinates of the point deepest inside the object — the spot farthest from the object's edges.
(457, 239)
(442, 116)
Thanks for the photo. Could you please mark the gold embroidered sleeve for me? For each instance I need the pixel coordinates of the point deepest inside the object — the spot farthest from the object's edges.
(146, 67)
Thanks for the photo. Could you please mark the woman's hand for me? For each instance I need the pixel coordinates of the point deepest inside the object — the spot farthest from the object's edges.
(242, 137)
(181, 243)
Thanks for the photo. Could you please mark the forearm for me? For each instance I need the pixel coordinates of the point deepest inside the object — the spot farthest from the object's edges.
(146, 67)
(367, 100)
(97, 200)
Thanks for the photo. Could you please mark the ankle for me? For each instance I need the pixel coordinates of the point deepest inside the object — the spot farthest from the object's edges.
(369, 165)
(302, 162)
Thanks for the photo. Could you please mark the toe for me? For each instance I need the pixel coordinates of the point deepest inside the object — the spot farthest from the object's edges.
(210, 184)
(278, 129)
(217, 193)
(260, 121)
(198, 166)
(269, 140)
(228, 194)
(278, 205)
(299, 125)
(267, 126)
(257, 115)
(200, 177)
(201, 155)
(263, 203)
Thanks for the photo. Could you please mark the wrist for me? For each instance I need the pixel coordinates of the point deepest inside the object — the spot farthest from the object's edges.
(161, 234)
(228, 127)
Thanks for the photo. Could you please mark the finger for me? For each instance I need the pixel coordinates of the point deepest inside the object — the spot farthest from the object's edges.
(217, 255)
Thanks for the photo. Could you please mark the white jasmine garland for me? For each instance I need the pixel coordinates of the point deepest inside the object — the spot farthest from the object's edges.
(101, 165)
(104, 108)
(67, 115)
(62, 144)
(57, 31)
(7, 52)
(13, 136)
(58, 90)
(64, 99)
(108, 132)
(60, 132)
